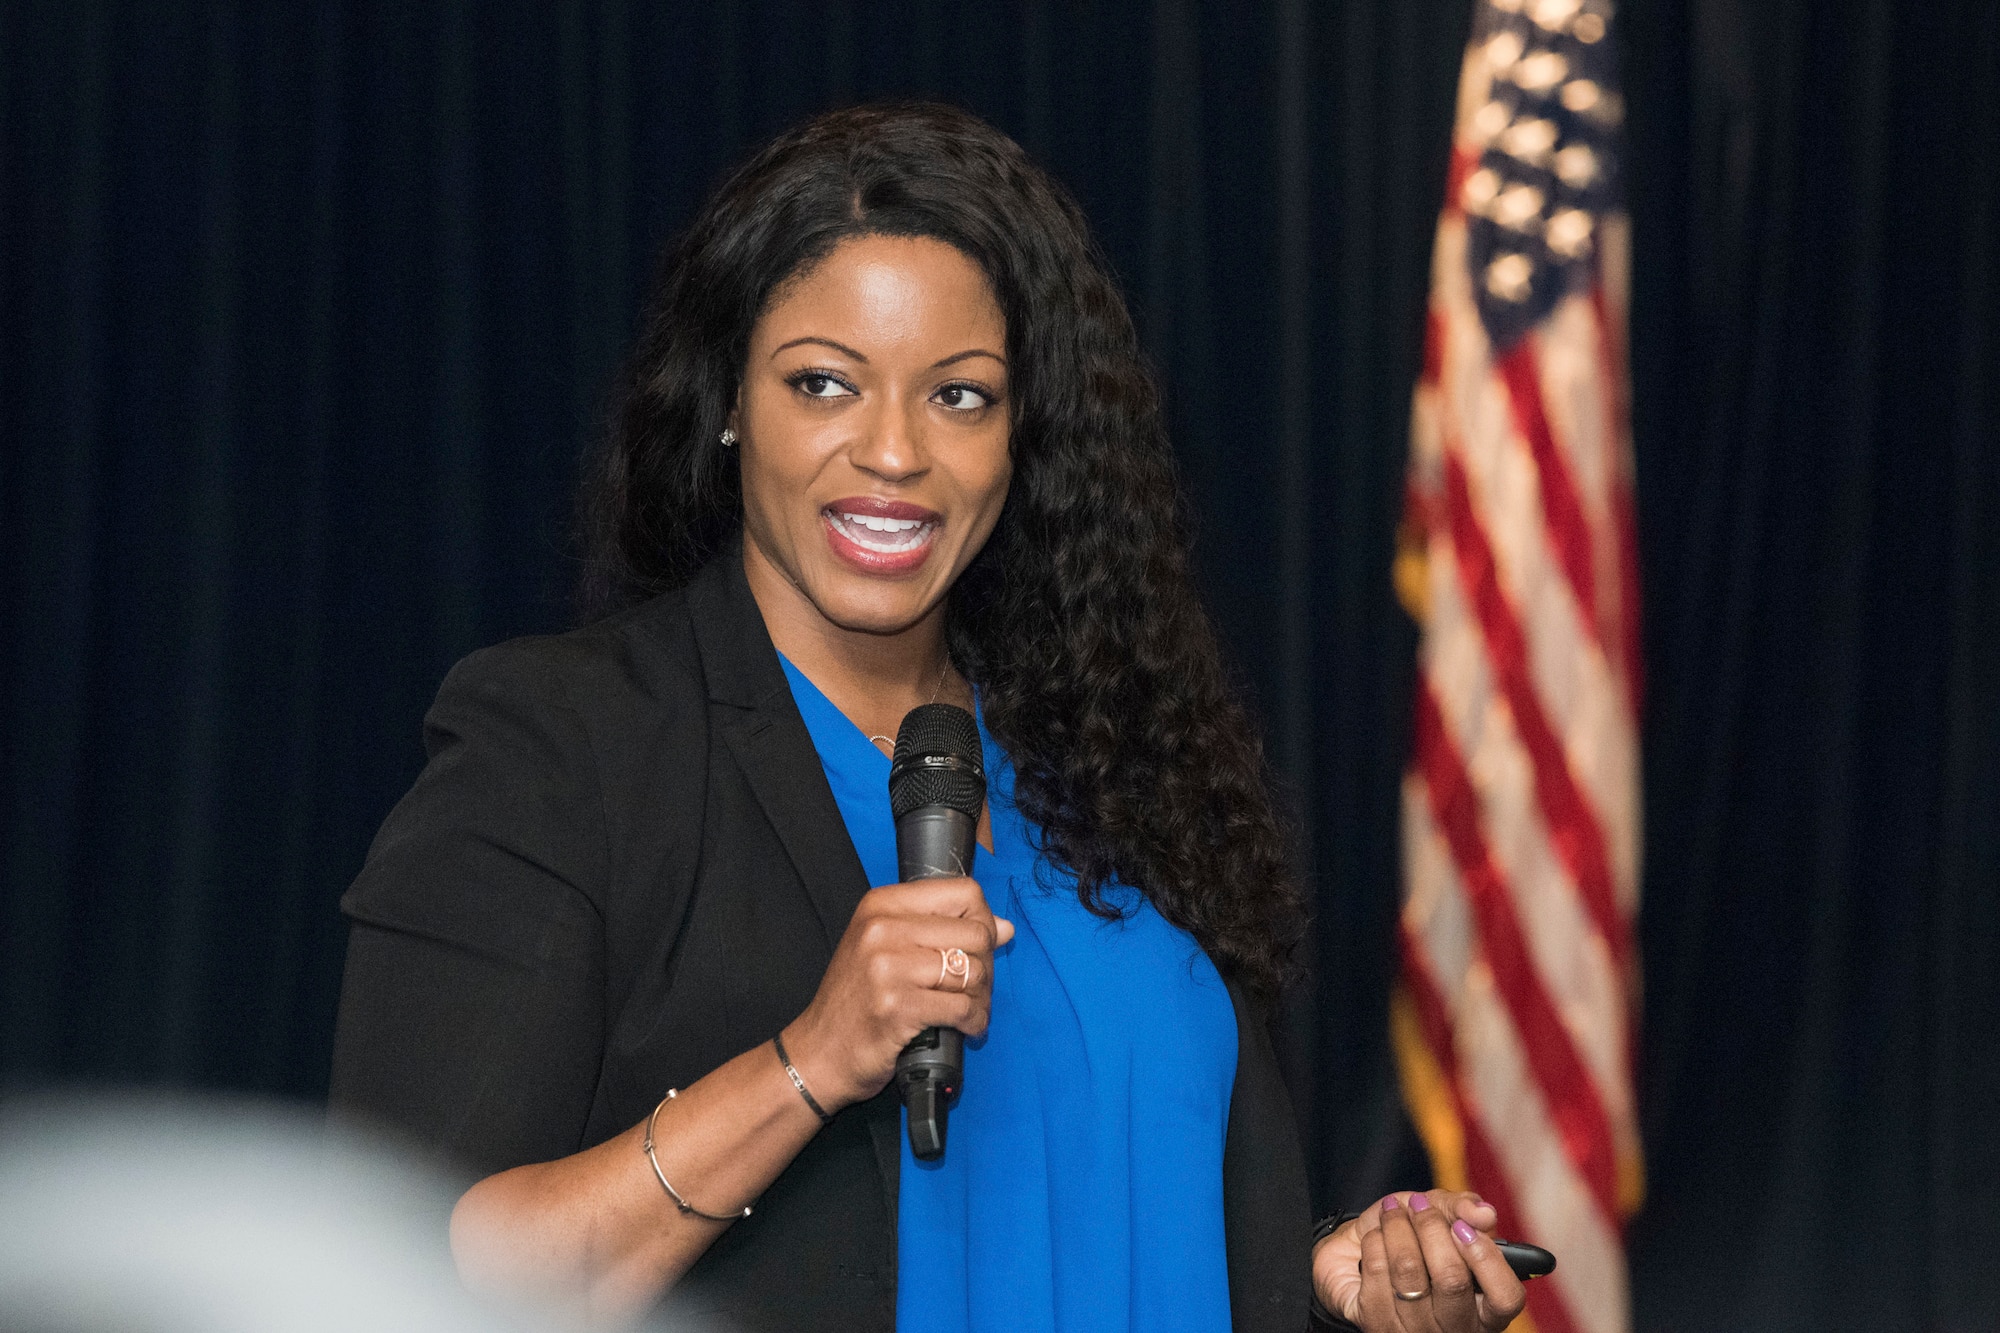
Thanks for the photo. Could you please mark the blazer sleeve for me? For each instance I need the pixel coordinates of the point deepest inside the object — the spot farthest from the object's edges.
(472, 1011)
(1266, 1209)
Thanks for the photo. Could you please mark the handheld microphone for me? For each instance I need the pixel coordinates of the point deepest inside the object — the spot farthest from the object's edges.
(937, 784)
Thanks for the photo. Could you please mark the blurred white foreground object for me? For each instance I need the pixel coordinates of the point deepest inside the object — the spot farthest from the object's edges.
(155, 1215)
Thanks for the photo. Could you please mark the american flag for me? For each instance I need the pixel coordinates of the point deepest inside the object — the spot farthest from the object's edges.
(1514, 1026)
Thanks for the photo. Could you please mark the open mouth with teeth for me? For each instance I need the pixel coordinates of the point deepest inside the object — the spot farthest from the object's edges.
(880, 536)
(888, 535)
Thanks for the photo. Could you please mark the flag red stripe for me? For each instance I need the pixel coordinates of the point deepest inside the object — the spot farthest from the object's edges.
(1463, 164)
(1572, 825)
(1545, 1302)
(1611, 367)
(1434, 335)
(1562, 512)
(1626, 520)
(1574, 1106)
(1482, 1166)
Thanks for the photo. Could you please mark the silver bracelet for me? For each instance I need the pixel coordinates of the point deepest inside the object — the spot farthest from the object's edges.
(687, 1209)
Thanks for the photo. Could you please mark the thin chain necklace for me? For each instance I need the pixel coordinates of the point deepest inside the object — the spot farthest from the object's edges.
(936, 690)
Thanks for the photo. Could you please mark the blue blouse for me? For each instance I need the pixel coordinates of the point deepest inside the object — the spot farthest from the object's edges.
(1081, 1185)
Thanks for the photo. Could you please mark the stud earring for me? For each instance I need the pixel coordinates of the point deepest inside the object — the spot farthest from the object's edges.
(728, 437)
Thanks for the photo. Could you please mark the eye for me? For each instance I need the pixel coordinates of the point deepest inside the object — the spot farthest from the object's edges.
(962, 398)
(819, 384)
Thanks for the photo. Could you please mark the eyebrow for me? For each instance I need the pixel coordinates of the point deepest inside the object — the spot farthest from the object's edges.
(956, 357)
(842, 348)
(845, 350)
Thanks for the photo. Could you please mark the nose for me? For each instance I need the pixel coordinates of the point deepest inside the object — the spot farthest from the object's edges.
(891, 442)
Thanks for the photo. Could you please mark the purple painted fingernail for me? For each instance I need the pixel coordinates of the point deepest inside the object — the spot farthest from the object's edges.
(1463, 1230)
(1389, 1203)
(1419, 1204)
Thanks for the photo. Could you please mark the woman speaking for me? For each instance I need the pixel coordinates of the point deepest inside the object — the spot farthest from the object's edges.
(633, 948)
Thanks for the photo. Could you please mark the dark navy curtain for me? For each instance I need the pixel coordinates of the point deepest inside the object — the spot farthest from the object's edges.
(307, 312)
(1816, 347)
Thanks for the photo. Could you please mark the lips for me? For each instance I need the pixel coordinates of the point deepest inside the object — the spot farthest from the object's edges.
(880, 536)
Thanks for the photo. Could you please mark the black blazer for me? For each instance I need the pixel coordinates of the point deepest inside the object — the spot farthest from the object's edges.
(623, 866)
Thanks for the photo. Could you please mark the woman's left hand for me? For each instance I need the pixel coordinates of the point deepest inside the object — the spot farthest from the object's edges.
(1419, 1263)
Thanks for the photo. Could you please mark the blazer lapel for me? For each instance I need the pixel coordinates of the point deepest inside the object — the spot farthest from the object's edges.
(752, 707)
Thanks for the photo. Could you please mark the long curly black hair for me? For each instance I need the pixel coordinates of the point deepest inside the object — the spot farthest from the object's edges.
(1079, 622)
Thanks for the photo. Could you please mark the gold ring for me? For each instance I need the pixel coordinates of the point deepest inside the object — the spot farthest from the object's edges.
(1412, 1295)
(954, 963)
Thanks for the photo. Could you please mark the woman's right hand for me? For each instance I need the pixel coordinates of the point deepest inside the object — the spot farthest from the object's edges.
(881, 989)
(595, 1223)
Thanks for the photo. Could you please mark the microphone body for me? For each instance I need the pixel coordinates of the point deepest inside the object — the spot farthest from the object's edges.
(937, 785)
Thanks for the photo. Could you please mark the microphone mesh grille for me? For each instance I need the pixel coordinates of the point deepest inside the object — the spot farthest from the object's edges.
(937, 732)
